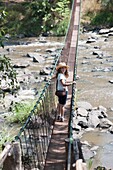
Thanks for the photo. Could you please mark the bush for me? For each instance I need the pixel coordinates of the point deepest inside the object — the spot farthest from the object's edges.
(21, 112)
(61, 28)
(104, 18)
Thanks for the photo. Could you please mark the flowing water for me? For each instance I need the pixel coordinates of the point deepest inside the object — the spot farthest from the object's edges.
(93, 86)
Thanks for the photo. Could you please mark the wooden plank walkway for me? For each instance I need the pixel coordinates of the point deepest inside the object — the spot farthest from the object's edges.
(57, 156)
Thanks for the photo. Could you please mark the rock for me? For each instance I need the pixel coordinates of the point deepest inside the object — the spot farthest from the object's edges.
(44, 72)
(85, 143)
(37, 50)
(89, 129)
(110, 34)
(10, 49)
(94, 148)
(85, 105)
(91, 40)
(105, 123)
(111, 108)
(97, 113)
(50, 50)
(96, 47)
(85, 62)
(104, 31)
(96, 69)
(7, 36)
(36, 57)
(76, 127)
(100, 57)
(111, 29)
(21, 65)
(111, 81)
(99, 53)
(100, 168)
(107, 69)
(111, 129)
(87, 153)
(93, 120)
(103, 111)
(83, 119)
(83, 124)
(109, 60)
(82, 112)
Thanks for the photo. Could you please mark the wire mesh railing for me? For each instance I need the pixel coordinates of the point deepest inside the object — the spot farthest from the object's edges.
(35, 135)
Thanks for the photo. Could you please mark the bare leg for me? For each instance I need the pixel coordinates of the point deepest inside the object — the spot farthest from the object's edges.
(62, 112)
(58, 111)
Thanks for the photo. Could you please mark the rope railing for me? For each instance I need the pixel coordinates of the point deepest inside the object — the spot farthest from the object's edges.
(35, 135)
(73, 52)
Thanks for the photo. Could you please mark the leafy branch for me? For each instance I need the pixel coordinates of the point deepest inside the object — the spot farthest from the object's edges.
(8, 78)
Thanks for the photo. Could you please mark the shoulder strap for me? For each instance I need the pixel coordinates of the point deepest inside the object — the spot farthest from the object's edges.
(56, 84)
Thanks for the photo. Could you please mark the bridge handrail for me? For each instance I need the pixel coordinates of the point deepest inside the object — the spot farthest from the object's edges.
(76, 16)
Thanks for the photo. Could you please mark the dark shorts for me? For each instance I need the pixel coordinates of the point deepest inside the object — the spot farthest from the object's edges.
(62, 99)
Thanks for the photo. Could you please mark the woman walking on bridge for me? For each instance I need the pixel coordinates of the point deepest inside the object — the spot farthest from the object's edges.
(61, 85)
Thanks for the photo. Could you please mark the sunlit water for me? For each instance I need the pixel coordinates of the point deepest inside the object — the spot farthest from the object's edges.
(93, 87)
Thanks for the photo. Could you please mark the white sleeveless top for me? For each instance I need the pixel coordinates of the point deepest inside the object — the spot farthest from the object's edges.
(59, 84)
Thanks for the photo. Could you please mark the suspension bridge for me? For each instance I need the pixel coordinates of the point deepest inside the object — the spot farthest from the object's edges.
(43, 142)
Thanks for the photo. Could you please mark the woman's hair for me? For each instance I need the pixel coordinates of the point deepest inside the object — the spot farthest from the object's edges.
(66, 73)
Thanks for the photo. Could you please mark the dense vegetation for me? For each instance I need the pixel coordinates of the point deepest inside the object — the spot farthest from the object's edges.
(33, 18)
(7, 73)
(105, 15)
(101, 17)
(29, 19)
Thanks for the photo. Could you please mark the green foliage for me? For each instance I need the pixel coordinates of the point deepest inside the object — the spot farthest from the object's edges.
(61, 28)
(35, 17)
(107, 4)
(21, 112)
(103, 18)
(3, 14)
(5, 136)
(89, 164)
(7, 73)
(62, 15)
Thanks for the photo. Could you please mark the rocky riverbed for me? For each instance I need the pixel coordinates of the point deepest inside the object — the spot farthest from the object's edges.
(94, 115)
(33, 60)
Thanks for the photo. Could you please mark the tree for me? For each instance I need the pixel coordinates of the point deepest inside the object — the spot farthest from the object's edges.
(8, 79)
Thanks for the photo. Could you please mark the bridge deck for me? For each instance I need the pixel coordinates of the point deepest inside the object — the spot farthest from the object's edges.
(56, 158)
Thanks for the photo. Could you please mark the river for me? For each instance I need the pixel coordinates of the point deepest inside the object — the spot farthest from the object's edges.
(93, 85)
